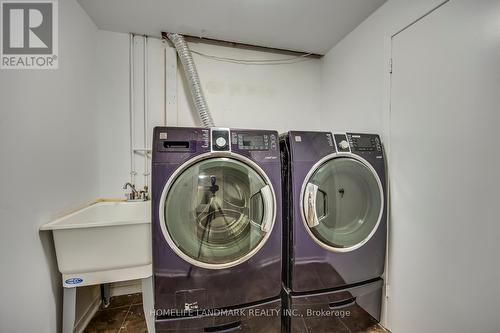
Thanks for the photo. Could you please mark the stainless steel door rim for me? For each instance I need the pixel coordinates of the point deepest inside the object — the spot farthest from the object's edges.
(310, 219)
(268, 214)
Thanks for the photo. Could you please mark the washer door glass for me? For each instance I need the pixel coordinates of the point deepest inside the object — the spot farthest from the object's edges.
(218, 211)
(342, 203)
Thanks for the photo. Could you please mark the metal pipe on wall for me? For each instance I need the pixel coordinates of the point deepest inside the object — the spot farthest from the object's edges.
(131, 107)
(146, 110)
(145, 150)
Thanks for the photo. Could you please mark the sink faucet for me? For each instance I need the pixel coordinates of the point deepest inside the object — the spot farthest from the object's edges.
(133, 195)
(144, 193)
(136, 195)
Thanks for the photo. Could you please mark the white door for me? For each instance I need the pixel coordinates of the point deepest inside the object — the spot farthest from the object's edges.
(444, 171)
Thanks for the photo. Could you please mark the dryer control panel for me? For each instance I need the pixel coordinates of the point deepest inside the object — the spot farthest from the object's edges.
(364, 142)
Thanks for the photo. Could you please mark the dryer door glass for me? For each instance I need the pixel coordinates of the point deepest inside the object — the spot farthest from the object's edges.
(342, 203)
(218, 211)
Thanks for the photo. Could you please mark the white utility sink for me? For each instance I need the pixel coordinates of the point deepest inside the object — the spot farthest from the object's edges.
(104, 242)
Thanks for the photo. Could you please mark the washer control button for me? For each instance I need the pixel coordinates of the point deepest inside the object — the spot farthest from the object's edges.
(220, 142)
(344, 145)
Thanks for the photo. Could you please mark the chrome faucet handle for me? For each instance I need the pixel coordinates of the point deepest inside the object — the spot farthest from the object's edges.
(144, 193)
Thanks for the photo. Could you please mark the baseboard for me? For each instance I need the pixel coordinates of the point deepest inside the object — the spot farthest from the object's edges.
(85, 319)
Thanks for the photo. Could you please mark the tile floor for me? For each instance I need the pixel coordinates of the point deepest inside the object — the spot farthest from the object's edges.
(125, 315)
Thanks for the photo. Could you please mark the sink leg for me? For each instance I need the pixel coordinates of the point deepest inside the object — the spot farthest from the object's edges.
(105, 294)
(148, 303)
(69, 303)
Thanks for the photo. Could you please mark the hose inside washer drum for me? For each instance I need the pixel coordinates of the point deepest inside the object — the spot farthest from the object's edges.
(199, 100)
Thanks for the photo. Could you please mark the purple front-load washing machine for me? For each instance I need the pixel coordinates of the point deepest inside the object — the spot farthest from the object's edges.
(216, 210)
(334, 193)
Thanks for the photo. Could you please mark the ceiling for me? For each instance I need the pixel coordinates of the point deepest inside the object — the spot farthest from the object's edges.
(312, 26)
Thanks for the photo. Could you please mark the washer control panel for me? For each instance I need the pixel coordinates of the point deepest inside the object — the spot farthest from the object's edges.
(341, 143)
(364, 142)
(220, 139)
(256, 141)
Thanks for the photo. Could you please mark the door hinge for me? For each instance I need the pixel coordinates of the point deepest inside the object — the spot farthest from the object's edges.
(390, 66)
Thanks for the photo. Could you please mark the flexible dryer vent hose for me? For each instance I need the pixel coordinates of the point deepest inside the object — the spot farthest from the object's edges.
(193, 79)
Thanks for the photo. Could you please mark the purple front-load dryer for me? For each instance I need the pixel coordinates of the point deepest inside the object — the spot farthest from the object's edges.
(216, 210)
(334, 193)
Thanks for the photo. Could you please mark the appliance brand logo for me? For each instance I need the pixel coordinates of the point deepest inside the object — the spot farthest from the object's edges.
(190, 306)
(29, 34)
(74, 281)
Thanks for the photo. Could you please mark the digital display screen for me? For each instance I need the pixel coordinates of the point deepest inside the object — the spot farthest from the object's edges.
(364, 142)
(250, 141)
(253, 142)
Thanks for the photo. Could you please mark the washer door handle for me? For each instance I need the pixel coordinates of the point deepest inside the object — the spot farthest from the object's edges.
(309, 204)
(267, 216)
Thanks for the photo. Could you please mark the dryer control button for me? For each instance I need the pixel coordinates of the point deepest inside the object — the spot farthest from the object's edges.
(220, 142)
(344, 144)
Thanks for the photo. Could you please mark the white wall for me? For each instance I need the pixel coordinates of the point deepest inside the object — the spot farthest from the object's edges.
(281, 97)
(355, 74)
(431, 286)
(64, 133)
(444, 169)
(49, 165)
(352, 73)
(113, 108)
